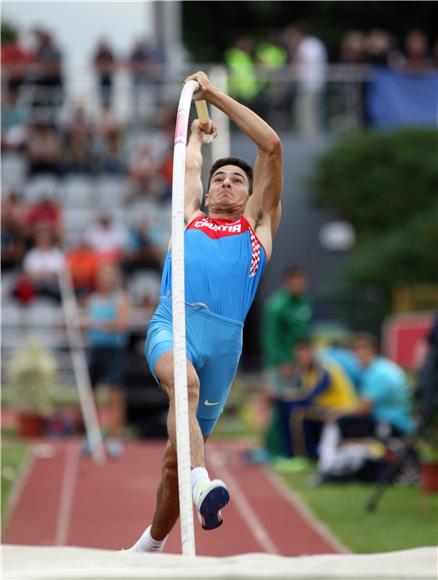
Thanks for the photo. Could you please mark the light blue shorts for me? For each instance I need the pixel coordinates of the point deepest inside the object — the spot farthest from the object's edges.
(214, 346)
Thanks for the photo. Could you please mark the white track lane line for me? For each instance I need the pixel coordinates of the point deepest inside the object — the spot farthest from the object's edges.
(312, 520)
(67, 493)
(239, 499)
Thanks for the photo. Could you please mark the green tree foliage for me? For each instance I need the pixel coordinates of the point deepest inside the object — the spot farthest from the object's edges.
(379, 180)
(386, 185)
(406, 254)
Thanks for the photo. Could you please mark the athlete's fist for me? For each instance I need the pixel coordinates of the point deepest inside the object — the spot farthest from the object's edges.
(206, 87)
(207, 136)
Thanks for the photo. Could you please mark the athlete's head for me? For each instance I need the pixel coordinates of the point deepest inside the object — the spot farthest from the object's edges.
(229, 184)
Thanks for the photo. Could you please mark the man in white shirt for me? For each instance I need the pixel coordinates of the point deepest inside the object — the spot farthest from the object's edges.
(107, 237)
(309, 60)
(43, 263)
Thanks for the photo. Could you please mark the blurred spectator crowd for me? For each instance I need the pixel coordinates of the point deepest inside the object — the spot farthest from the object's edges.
(310, 83)
(340, 402)
(34, 73)
(288, 77)
(36, 248)
(79, 188)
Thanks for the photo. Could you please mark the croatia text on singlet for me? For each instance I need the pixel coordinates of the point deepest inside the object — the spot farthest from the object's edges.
(224, 261)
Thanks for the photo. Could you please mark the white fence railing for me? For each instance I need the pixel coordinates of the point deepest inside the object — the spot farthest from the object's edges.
(342, 87)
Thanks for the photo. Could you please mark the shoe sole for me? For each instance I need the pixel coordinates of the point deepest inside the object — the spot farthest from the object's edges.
(210, 508)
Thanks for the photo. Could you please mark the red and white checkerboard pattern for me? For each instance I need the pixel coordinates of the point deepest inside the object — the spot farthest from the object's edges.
(255, 261)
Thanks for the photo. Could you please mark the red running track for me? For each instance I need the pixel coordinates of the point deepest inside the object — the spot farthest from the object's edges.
(64, 499)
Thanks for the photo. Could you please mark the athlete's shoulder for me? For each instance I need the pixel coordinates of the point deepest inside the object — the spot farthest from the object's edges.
(195, 215)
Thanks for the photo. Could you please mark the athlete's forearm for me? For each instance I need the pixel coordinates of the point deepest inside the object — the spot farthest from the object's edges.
(193, 170)
(194, 153)
(249, 122)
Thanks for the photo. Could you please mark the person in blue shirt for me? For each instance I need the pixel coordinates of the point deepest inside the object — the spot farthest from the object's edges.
(346, 358)
(106, 324)
(384, 408)
(384, 392)
(226, 249)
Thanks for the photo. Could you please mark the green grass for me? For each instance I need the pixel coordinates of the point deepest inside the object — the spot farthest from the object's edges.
(405, 517)
(235, 428)
(63, 397)
(13, 456)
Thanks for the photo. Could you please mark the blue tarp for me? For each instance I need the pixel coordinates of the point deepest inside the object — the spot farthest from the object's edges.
(397, 99)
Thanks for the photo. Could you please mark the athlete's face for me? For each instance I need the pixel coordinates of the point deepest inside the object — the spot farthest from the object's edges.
(365, 354)
(228, 189)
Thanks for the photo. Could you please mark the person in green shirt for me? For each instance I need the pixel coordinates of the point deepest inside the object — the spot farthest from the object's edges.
(287, 319)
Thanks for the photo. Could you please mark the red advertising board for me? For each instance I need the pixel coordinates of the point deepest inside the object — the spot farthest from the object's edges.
(403, 337)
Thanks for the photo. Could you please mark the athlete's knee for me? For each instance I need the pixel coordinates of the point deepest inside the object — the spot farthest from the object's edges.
(193, 386)
(164, 371)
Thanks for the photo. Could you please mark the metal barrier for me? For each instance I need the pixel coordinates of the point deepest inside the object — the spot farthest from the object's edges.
(341, 94)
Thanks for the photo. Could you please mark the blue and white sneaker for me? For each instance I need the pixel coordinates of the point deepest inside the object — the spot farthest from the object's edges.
(210, 498)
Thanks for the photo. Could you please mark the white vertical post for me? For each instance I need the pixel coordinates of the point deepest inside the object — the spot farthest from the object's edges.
(220, 147)
(88, 407)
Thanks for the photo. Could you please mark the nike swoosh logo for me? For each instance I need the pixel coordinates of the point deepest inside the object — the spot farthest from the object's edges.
(208, 404)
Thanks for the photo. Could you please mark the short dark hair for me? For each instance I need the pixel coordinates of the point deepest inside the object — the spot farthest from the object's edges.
(367, 338)
(246, 167)
(302, 26)
(292, 271)
(304, 342)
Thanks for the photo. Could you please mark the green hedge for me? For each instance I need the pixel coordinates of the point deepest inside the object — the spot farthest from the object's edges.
(386, 185)
(405, 254)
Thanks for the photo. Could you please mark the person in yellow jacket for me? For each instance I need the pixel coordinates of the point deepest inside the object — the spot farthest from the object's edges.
(271, 58)
(242, 80)
(318, 388)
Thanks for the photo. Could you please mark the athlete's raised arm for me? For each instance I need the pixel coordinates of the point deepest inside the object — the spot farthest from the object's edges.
(264, 204)
(193, 184)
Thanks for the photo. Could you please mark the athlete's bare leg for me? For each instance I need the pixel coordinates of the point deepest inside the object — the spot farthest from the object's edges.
(167, 506)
